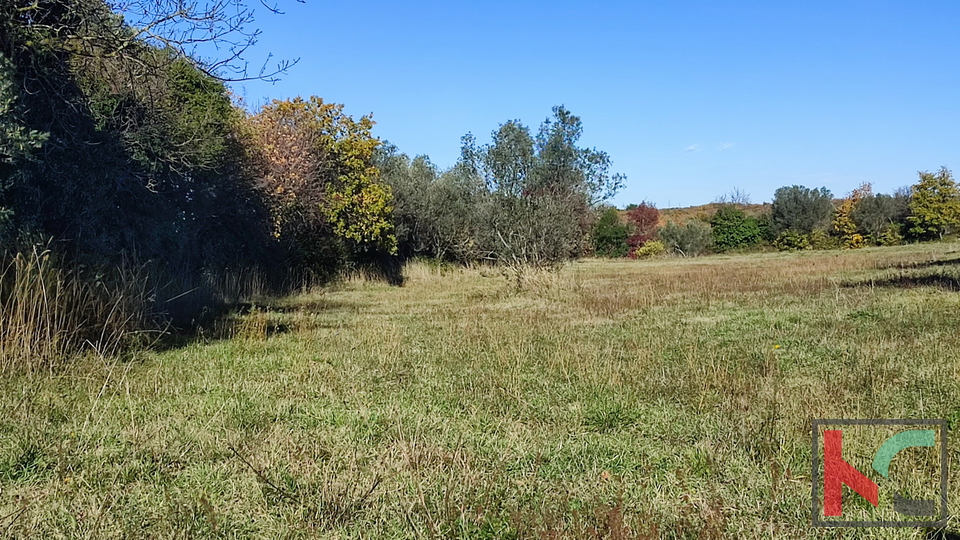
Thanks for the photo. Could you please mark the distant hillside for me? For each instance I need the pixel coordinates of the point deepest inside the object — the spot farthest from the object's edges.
(705, 212)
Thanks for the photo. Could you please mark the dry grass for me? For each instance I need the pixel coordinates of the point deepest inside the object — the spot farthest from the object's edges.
(600, 287)
(704, 212)
(654, 399)
(49, 315)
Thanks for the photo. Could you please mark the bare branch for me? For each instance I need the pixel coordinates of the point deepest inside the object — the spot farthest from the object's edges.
(215, 35)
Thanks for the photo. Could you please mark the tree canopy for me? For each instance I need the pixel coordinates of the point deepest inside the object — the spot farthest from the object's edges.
(934, 204)
(801, 209)
(521, 199)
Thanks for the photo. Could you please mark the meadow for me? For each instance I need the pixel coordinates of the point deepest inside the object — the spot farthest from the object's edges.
(669, 398)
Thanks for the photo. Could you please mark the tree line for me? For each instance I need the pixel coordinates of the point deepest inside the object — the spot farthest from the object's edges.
(125, 158)
(137, 193)
(121, 154)
(521, 201)
(798, 218)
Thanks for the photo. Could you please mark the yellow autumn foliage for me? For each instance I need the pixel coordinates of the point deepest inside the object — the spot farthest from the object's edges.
(316, 162)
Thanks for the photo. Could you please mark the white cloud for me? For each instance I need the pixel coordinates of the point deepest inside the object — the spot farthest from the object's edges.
(692, 148)
(726, 146)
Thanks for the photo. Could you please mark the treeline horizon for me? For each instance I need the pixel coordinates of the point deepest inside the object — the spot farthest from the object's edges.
(798, 218)
(136, 192)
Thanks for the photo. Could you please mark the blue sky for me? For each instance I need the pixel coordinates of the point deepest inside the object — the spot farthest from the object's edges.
(689, 98)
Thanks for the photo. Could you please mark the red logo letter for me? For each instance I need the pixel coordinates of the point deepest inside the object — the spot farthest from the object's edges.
(836, 472)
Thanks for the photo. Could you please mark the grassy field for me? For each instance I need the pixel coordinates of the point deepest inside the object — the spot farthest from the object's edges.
(659, 399)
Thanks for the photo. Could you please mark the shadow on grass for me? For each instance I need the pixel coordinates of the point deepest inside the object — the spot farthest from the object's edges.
(948, 262)
(321, 305)
(252, 320)
(939, 263)
(941, 274)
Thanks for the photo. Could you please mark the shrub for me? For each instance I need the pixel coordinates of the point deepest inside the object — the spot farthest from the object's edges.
(732, 229)
(653, 248)
(822, 240)
(610, 235)
(792, 241)
(691, 239)
(855, 241)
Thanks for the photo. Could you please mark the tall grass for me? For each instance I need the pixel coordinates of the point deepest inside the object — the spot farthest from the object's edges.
(51, 311)
(48, 314)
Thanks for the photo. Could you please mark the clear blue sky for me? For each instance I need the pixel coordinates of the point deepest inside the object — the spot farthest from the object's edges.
(689, 98)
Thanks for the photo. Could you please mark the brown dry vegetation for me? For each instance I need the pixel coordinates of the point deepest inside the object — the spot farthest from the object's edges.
(704, 212)
(48, 314)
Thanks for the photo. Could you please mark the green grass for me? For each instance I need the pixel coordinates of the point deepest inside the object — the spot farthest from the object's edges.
(667, 398)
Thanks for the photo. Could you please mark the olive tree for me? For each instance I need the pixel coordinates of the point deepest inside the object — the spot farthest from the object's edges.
(801, 209)
(536, 211)
(877, 213)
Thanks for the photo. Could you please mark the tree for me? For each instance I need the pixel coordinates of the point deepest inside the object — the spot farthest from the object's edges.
(877, 214)
(17, 145)
(767, 229)
(645, 218)
(142, 162)
(732, 229)
(934, 205)
(563, 167)
(843, 221)
(534, 210)
(409, 185)
(610, 235)
(435, 213)
(736, 196)
(316, 166)
(122, 30)
(800, 209)
(521, 201)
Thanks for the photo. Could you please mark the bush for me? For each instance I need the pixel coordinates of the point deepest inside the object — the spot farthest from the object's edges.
(792, 241)
(610, 235)
(691, 239)
(822, 240)
(732, 229)
(855, 241)
(653, 248)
